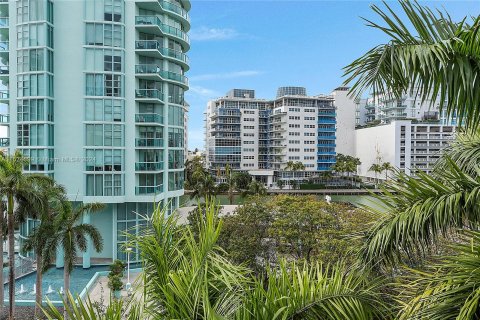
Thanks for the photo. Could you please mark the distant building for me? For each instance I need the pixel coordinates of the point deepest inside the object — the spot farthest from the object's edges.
(261, 136)
(407, 145)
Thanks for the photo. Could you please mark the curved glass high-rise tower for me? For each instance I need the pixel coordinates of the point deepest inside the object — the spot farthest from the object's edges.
(96, 99)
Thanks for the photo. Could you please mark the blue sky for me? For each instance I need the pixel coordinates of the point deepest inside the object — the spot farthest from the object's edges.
(262, 45)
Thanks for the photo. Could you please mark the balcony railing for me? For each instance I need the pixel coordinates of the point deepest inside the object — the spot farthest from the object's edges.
(154, 69)
(149, 142)
(149, 94)
(4, 94)
(148, 189)
(4, 142)
(156, 45)
(4, 46)
(4, 119)
(149, 166)
(168, 6)
(148, 118)
(166, 29)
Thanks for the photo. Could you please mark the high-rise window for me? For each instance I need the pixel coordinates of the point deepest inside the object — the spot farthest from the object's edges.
(108, 85)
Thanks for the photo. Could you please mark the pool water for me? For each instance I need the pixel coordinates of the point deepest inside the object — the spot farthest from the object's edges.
(53, 277)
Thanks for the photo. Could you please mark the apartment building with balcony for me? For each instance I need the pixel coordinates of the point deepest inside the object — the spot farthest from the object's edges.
(385, 109)
(94, 97)
(407, 145)
(261, 136)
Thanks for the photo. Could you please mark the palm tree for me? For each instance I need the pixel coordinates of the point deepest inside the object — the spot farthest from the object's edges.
(377, 168)
(386, 166)
(438, 56)
(17, 188)
(255, 188)
(449, 290)
(204, 186)
(52, 194)
(72, 236)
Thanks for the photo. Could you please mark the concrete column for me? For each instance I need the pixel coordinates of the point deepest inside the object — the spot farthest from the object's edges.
(86, 254)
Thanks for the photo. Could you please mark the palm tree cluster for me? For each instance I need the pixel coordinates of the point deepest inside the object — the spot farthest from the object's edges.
(40, 197)
(378, 168)
(346, 164)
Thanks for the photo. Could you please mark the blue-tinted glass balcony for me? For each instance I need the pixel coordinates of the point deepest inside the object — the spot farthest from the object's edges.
(154, 69)
(149, 21)
(149, 166)
(4, 142)
(157, 47)
(326, 145)
(326, 153)
(149, 142)
(327, 114)
(326, 161)
(149, 94)
(4, 46)
(326, 137)
(148, 189)
(327, 121)
(326, 129)
(148, 118)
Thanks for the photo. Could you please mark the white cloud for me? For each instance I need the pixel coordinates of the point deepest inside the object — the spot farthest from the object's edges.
(212, 34)
(203, 92)
(228, 75)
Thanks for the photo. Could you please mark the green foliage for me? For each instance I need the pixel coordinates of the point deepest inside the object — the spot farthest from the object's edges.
(117, 267)
(78, 309)
(242, 180)
(115, 282)
(420, 210)
(265, 229)
(303, 291)
(187, 277)
(450, 289)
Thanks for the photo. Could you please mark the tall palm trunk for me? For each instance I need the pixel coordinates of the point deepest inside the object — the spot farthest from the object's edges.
(38, 286)
(2, 228)
(11, 259)
(66, 284)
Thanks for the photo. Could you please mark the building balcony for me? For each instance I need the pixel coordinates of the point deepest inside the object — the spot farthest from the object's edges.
(4, 46)
(326, 137)
(327, 121)
(149, 142)
(327, 129)
(4, 119)
(167, 7)
(326, 145)
(148, 118)
(150, 70)
(152, 24)
(4, 142)
(154, 48)
(4, 95)
(327, 114)
(148, 166)
(326, 161)
(148, 189)
(149, 94)
(326, 153)
(4, 22)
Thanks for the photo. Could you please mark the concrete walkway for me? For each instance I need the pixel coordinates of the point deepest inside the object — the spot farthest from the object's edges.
(101, 292)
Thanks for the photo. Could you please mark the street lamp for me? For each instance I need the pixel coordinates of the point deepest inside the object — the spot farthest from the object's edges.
(128, 285)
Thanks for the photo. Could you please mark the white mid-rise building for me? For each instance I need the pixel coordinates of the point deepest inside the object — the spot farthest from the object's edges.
(261, 136)
(406, 145)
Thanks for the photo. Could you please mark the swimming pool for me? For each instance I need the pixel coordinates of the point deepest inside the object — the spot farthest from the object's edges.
(53, 278)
